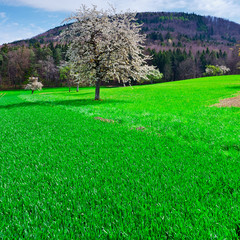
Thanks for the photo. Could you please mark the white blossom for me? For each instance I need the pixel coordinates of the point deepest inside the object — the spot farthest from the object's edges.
(105, 46)
(34, 84)
(224, 69)
(212, 70)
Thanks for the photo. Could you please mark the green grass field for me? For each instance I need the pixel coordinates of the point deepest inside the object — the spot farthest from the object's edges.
(146, 162)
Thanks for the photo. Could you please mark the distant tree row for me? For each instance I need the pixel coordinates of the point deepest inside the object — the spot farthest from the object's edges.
(17, 64)
(179, 64)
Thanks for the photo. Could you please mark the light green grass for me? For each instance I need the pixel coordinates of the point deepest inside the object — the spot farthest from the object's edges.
(66, 175)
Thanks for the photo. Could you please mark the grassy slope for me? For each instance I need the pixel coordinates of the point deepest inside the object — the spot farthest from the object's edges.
(66, 175)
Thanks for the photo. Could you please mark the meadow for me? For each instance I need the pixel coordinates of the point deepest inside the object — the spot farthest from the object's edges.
(146, 162)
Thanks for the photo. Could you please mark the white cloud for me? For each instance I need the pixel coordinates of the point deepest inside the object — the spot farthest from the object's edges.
(18, 32)
(72, 5)
(56, 5)
(3, 18)
(220, 8)
(3, 15)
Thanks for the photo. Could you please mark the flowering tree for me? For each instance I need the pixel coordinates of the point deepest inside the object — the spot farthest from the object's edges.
(212, 70)
(154, 76)
(105, 46)
(34, 84)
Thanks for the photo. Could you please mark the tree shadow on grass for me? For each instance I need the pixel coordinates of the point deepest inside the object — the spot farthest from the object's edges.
(64, 93)
(74, 103)
(237, 87)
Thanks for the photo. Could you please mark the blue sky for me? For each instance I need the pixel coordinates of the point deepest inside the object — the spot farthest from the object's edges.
(20, 22)
(22, 19)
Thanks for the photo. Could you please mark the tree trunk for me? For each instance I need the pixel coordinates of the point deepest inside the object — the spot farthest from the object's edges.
(69, 85)
(32, 91)
(97, 91)
(77, 87)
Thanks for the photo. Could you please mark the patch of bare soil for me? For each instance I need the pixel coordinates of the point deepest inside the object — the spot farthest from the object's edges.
(104, 119)
(229, 102)
(140, 128)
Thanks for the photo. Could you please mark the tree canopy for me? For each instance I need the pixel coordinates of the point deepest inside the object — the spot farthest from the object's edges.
(34, 84)
(105, 46)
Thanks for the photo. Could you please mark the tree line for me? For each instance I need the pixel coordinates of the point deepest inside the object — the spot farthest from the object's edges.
(178, 64)
(18, 63)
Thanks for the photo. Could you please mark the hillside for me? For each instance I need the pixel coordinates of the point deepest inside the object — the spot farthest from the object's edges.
(190, 31)
(165, 30)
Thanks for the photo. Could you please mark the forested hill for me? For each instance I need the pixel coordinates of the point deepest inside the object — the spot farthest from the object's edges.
(162, 26)
(190, 26)
(181, 44)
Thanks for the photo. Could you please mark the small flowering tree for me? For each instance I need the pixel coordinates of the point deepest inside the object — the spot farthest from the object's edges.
(34, 84)
(154, 76)
(224, 70)
(212, 70)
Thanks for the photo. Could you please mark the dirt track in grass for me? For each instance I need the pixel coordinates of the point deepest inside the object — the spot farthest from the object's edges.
(229, 102)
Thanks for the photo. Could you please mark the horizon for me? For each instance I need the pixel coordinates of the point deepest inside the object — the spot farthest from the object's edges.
(23, 19)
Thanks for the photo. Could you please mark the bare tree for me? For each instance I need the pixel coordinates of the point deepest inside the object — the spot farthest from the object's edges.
(19, 62)
(187, 69)
(48, 70)
(105, 46)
